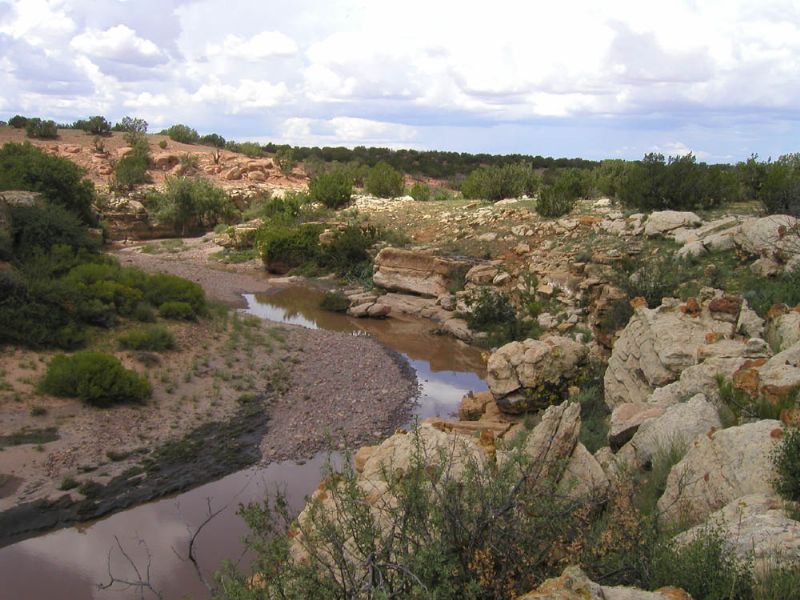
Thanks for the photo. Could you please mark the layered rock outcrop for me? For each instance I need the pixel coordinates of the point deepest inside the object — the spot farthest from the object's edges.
(415, 272)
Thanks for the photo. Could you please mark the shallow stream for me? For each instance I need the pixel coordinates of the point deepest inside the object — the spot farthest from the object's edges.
(69, 563)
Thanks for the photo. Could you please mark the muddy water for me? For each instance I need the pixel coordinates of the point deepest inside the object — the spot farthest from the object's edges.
(69, 563)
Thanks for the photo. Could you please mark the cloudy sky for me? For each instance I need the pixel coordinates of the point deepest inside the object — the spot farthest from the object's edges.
(563, 78)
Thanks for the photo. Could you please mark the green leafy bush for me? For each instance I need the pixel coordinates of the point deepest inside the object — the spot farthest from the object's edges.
(786, 458)
(705, 568)
(96, 125)
(154, 338)
(384, 181)
(35, 228)
(188, 204)
(559, 198)
(213, 139)
(131, 169)
(331, 189)
(181, 311)
(285, 160)
(18, 122)
(494, 183)
(45, 130)
(61, 182)
(284, 210)
(162, 287)
(493, 313)
(182, 133)
(131, 125)
(420, 192)
(144, 313)
(679, 183)
(284, 247)
(95, 378)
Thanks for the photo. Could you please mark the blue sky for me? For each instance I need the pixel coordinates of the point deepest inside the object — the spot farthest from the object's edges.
(567, 78)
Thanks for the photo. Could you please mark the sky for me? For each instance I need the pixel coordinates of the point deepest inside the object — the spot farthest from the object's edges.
(611, 79)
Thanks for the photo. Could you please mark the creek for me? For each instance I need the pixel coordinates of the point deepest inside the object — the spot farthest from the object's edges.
(69, 563)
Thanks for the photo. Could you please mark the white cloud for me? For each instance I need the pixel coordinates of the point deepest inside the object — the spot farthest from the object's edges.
(347, 131)
(39, 22)
(262, 45)
(120, 44)
(246, 94)
(679, 149)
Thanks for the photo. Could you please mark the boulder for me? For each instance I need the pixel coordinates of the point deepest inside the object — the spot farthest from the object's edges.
(416, 272)
(536, 367)
(677, 427)
(473, 405)
(583, 478)
(233, 174)
(658, 344)
(719, 468)
(780, 375)
(552, 442)
(165, 161)
(396, 454)
(754, 527)
(482, 274)
(774, 237)
(664, 221)
(257, 176)
(783, 328)
(626, 419)
(574, 584)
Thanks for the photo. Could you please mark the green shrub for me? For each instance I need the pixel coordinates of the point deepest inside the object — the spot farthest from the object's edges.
(95, 378)
(37, 227)
(162, 144)
(491, 312)
(144, 313)
(214, 140)
(131, 169)
(420, 191)
(45, 130)
(433, 533)
(559, 199)
(285, 160)
(189, 203)
(18, 122)
(283, 247)
(181, 311)
(334, 302)
(279, 210)
(332, 189)
(679, 183)
(384, 181)
(183, 134)
(616, 316)
(131, 125)
(786, 458)
(779, 189)
(162, 287)
(61, 182)
(594, 416)
(348, 252)
(67, 483)
(97, 125)
(494, 183)
(779, 583)
(653, 278)
(705, 568)
(154, 338)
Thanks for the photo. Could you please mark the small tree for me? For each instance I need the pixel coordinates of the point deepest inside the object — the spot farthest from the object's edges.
(18, 121)
(45, 130)
(384, 181)
(131, 125)
(284, 157)
(97, 125)
(182, 133)
(331, 189)
(213, 139)
(131, 170)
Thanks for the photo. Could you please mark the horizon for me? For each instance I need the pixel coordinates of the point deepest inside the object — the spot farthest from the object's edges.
(574, 80)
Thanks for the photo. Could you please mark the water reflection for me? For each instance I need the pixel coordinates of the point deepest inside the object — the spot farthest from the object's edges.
(74, 559)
